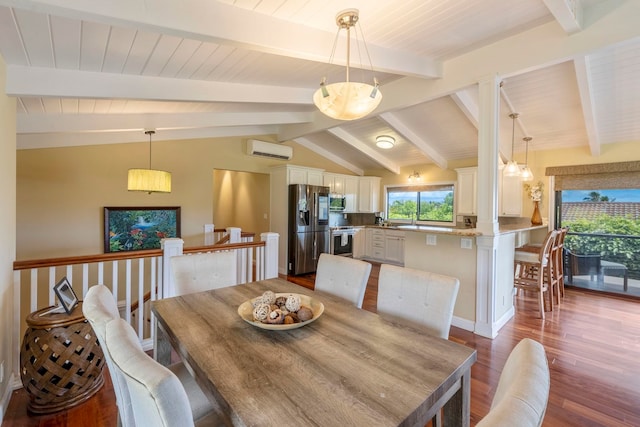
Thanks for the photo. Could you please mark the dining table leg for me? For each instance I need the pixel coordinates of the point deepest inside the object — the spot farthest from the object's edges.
(457, 411)
(161, 346)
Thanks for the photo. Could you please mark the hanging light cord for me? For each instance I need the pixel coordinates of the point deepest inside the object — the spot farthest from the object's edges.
(150, 132)
(514, 116)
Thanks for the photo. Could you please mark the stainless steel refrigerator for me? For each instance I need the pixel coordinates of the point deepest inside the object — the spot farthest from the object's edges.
(308, 227)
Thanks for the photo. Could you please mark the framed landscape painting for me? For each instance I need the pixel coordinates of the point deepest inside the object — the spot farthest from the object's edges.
(139, 228)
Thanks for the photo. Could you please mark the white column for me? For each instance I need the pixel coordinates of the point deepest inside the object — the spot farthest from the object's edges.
(487, 224)
(270, 254)
(170, 247)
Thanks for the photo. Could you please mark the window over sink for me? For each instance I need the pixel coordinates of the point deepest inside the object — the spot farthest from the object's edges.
(427, 203)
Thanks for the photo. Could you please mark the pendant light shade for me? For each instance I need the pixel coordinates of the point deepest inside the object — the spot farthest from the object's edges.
(149, 180)
(512, 168)
(347, 100)
(526, 173)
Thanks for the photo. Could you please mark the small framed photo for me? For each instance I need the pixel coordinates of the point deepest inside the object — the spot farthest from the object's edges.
(66, 295)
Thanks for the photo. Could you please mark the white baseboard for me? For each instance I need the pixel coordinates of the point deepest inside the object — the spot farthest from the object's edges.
(13, 385)
(459, 322)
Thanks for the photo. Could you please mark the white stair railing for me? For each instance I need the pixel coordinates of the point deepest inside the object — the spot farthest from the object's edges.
(136, 279)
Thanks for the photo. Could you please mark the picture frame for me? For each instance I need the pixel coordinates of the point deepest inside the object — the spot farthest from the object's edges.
(139, 228)
(66, 295)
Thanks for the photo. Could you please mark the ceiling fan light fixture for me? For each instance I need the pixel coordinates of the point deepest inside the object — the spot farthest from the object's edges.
(149, 180)
(385, 141)
(347, 100)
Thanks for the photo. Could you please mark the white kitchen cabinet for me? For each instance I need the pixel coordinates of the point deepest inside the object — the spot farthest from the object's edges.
(359, 243)
(466, 191)
(509, 196)
(394, 246)
(369, 194)
(314, 176)
(303, 175)
(385, 245)
(335, 182)
(351, 193)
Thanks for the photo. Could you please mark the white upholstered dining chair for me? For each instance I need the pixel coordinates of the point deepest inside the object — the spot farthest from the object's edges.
(99, 308)
(158, 397)
(523, 389)
(418, 296)
(204, 271)
(344, 277)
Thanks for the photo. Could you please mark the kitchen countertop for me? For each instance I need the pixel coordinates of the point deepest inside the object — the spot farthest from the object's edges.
(466, 232)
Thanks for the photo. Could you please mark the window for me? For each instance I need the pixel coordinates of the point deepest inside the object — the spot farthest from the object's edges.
(426, 203)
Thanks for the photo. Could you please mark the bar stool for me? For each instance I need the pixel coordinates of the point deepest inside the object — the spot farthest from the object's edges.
(533, 271)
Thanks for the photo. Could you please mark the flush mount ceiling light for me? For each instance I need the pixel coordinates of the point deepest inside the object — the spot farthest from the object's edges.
(415, 177)
(512, 168)
(385, 141)
(149, 180)
(526, 173)
(347, 100)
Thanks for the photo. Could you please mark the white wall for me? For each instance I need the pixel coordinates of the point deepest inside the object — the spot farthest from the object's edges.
(7, 234)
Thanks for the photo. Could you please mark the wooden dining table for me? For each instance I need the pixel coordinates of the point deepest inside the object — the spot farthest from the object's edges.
(349, 367)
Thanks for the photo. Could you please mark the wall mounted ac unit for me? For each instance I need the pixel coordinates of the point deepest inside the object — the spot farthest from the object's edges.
(265, 149)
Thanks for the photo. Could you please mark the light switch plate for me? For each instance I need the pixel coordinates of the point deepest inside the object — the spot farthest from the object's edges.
(431, 240)
(466, 243)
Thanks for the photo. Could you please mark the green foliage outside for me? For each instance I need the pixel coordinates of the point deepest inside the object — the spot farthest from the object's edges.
(616, 249)
(429, 210)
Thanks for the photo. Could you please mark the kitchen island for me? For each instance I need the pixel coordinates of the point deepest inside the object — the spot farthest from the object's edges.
(454, 252)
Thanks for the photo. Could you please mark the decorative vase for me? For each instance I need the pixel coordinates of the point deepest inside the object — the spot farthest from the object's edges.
(536, 219)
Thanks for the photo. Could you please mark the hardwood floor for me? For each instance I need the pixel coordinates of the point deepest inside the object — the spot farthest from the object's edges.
(592, 344)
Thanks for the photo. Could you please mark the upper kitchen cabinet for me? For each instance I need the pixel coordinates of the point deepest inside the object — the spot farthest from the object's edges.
(303, 175)
(369, 194)
(509, 195)
(467, 191)
(335, 182)
(351, 194)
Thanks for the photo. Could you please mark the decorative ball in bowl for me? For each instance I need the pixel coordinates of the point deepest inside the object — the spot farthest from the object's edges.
(280, 311)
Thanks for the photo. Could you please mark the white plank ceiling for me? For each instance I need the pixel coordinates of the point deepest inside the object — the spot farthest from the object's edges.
(103, 72)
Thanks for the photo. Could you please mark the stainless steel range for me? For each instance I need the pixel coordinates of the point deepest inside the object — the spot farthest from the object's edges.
(342, 240)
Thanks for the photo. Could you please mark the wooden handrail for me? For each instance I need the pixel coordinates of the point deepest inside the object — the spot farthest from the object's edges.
(225, 247)
(117, 256)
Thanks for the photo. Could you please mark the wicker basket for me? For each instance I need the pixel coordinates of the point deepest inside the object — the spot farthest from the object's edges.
(61, 361)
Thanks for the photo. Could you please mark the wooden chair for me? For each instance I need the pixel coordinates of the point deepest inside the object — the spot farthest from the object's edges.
(523, 389)
(533, 271)
(418, 296)
(344, 277)
(204, 271)
(99, 308)
(559, 259)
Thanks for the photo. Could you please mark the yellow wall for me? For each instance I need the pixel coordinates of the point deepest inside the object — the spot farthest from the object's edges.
(7, 231)
(62, 191)
(241, 199)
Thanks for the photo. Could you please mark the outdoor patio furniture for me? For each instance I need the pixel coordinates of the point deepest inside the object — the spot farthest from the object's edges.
(593, 265)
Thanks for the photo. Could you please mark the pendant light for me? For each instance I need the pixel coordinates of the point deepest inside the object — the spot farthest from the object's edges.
(512, 168)
(526, 173)
(149, 180)
(347, 100)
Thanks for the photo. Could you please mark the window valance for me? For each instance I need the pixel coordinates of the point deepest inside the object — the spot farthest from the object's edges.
(596, 176)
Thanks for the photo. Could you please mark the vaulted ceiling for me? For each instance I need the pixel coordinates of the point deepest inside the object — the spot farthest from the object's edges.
(103, 72)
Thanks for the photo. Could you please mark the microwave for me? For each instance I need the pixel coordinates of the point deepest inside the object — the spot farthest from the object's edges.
(336, 202)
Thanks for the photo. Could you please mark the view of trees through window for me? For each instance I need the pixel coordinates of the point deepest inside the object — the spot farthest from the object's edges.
(421, 203)
(605, 223)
